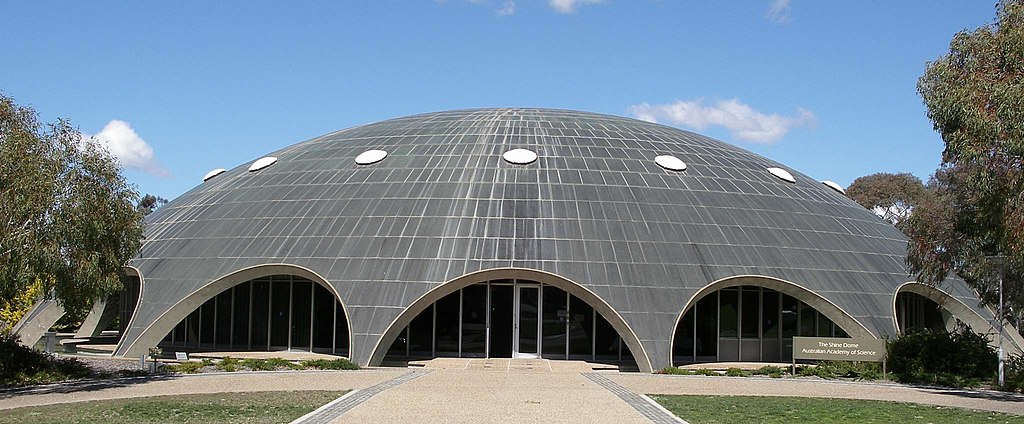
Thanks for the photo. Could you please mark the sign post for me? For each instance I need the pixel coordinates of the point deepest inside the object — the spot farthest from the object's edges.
(839, 349)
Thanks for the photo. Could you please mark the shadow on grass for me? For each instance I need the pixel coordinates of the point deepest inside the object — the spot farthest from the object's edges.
(84, 385)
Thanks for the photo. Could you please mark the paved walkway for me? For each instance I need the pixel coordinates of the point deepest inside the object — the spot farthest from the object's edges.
(498, 390)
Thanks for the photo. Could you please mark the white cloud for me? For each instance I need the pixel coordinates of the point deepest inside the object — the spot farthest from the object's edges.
(778, 12)
(742, 121)
(569, 6)
(130, 150)
(508, 8)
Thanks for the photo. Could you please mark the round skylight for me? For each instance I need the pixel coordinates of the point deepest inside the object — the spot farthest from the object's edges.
(213, 173)
(261, 163)
(371, 156)
(834, 186)
(670, 163)
(782, 174)
(520, 156)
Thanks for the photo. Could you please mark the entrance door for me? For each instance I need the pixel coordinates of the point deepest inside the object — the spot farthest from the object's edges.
(527, 322)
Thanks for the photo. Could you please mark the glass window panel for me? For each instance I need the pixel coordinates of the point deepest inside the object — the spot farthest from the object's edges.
(751, 316)
(501, 319)
(207, 320)
(398, 348)
(808, 319)
(223, 323)
(728, 313)
(280, 299)
(260, 313)
(682, 346)
(529, 326)
(581, 327)
(770, 314)
(323, 318)
(824, 326)
(790, 309)
(192, 329)
(474, 320)
(421, 333)
(240, 335)
(340, 330)
(448, 325)
(302, 297)
(555, 316)
(606, 340)
(707, 330)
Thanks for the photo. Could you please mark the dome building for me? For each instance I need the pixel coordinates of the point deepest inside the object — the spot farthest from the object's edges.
(522, 233)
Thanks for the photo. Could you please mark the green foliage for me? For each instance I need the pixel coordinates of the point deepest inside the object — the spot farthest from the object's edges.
(894, 195)
(66, 214)
(685, 371)
(958, 358)
(329, 364)
(736, 372)
(228, 364)
(150, 203)
(188, 367)
(975, 98)
(770, 370)
(11, 310)
(843, 369)
(21, 366)
(1013, 374)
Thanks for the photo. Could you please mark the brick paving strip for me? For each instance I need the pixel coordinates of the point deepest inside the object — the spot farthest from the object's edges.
(340, 406)
(643, 404)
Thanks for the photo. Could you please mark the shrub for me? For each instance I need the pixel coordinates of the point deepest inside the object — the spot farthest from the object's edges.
(330, 364)
(20, 365)
(228, 364)
(769, 370)
(675, 371)
(736, 372)
(189, 367)
(1013, 374)
(958, 358)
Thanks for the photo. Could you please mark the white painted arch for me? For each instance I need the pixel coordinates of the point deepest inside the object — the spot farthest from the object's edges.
(603, 308)
(155, 332)
(834, 312)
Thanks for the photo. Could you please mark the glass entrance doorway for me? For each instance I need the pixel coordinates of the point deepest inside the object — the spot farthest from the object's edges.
(510, 319)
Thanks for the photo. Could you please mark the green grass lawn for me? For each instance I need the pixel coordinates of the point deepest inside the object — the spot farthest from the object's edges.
(757, 409)
(257, 407)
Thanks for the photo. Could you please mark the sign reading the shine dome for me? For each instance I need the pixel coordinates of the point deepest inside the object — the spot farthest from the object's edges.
(837, 349)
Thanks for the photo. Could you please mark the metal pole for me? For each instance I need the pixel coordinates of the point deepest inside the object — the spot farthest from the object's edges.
(1002, 271)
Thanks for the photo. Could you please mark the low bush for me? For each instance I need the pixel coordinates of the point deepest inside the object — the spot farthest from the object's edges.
(770, 370)
(188, 367)
(1013, 374)
(329, 364)
(959, 358)
(21, 366)
(736, 372)
(228, 364)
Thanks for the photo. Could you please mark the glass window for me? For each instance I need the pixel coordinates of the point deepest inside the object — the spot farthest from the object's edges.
(421, 333)
(323, 317)
(555, 315)
(240, 334)
(751, 316)
(808, 319)
(581, 327)
(606, 340)
(302, 298)
(280, 299)
(192, 329)
(448, 325)
(824, 326)
(224, 316)
(770, 314)
(474, 320)
(706, 315)
(728, 313)
(790, 311)
(207, 319)
(340, 330)
(682, 346)
(260, 313)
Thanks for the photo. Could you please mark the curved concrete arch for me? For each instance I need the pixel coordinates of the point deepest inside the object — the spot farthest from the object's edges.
(156, 330)
(621, 327)
(834, 312)
(959, 310)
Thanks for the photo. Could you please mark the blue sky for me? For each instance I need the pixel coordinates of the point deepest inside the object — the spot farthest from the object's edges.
(827, 88)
